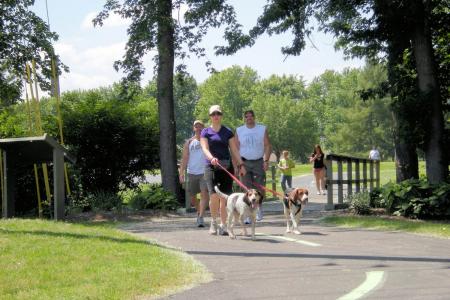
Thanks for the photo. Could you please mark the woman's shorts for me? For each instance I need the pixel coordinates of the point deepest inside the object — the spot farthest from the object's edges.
(196, 184)
(215, 175)
(318, 170)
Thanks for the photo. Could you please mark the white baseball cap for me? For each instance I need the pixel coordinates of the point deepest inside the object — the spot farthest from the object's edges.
(215, 108)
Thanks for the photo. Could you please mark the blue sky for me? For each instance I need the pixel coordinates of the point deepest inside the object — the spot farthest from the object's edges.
(90, 52)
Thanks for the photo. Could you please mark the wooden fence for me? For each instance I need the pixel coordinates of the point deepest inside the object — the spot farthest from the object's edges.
(356, 179)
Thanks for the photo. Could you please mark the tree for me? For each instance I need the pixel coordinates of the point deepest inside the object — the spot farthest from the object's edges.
(232, 89)
(368, 28)
(23, 37)
(153, 27)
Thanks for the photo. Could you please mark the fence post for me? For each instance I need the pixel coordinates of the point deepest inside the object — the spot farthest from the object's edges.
(340, 187)
(357, 177)
(329, 183)
(349, 177)
(371, 175)
(365, 175)
(377, 171)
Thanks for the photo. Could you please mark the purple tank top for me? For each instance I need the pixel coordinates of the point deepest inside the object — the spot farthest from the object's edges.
(218, 142)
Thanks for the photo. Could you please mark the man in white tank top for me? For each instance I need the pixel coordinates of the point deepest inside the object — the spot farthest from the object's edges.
(254, 148)
(193, 161)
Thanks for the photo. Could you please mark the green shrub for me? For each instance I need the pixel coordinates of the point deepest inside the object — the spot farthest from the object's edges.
(104, 200)
(359, 203)
(376, 198)
(416, 198)
(153, 196)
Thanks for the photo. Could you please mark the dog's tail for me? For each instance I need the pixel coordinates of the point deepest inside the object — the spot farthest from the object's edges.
(220, 193)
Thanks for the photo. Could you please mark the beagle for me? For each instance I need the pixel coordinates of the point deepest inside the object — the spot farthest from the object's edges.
(293, 202)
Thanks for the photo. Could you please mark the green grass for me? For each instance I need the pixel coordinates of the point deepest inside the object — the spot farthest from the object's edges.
(54, 260)
(437, 229)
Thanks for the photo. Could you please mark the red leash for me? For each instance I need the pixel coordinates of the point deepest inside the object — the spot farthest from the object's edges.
(233, 177)
(267, 189)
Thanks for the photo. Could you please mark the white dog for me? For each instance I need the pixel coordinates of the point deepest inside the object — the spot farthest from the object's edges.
(293, 202)
(240, 206)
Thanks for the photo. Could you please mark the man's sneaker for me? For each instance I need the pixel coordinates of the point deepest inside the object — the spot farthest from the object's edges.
(213, 228)
(248, 221)
(200, 222)
(259, 214)
(324, 192)
(222, 230)
(318, 193)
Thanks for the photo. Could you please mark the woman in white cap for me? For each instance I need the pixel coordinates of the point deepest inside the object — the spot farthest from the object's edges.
(217, 141)
(193, 161)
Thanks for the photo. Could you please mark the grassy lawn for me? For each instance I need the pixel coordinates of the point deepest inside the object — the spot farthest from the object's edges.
(438, 229)
(54, 260)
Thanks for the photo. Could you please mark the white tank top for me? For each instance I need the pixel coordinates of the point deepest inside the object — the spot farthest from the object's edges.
(196, 163)
(251, 141)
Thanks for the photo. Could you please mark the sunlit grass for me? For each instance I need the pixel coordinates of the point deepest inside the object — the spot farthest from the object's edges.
(55, 260)
(439, 229)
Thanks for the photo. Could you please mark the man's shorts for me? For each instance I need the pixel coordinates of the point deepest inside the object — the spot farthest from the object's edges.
(196, 184)
(255, 174)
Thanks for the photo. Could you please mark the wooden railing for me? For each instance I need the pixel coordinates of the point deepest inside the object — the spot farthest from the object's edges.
(361, 179)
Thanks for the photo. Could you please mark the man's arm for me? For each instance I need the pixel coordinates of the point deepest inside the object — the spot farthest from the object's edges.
(184, 160)
(267, 150)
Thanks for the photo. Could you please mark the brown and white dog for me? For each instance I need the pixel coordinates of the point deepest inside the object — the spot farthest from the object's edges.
(240, 206)
(293, 202)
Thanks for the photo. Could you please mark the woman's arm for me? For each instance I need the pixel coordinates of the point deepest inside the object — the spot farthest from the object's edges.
(205, 148)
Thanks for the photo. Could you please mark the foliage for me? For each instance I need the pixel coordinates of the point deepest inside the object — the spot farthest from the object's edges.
(23, 37)
(104, 201)
(232, 89)
(153, 197)
(418, 199)
(52, 260)
(114, 141)
(359, 203)
(186, 97)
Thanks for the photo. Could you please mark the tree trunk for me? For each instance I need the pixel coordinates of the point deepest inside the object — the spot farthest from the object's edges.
(436, 165)
(406, 161)
(167, 140)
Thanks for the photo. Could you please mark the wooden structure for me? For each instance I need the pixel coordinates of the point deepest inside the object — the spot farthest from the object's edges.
(27, 151)
(356, 179)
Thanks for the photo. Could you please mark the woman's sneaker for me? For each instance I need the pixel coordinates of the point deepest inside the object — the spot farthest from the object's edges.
(222, 230)
(213, 228)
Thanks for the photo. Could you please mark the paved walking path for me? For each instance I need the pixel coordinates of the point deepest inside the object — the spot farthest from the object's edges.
(325, 262)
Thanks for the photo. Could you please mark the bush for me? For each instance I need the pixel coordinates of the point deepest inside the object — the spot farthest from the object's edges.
(153, 196)
(376, 198)
(114, 140)
(416, 198)
(359, 203)
(104, 200)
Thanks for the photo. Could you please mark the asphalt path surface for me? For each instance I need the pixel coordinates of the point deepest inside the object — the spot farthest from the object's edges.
(324, 262)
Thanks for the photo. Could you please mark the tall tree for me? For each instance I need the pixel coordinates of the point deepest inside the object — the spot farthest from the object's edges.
(367, 28)
(23, 37)
(154, 27)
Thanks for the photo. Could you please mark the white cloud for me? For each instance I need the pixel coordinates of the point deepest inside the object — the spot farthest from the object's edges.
(113, 20)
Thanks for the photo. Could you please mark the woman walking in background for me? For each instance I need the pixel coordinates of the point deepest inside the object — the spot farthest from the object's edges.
(317, 158)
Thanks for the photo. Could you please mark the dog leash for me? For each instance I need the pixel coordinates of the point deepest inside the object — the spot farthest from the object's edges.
(234, 178)
(267, 189)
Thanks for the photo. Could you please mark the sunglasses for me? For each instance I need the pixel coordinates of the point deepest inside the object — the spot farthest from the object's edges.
(216, 114)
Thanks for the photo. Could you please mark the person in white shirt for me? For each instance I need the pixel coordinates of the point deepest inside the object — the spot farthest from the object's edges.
(193, 159)
(374, 154)
(254, 148)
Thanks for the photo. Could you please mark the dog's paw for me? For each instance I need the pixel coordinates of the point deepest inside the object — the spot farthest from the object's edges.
(297, 232)
(288, 230)
(232, 236)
